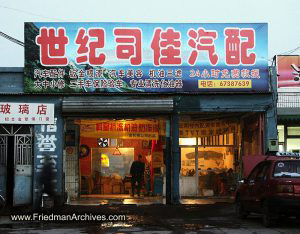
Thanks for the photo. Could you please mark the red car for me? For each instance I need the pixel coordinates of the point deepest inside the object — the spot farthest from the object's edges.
(272, 189)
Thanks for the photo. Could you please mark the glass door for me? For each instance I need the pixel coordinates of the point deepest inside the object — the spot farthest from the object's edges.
(215, 170)
(188, 172)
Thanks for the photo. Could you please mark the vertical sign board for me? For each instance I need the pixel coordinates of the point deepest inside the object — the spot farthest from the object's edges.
(139, 57)
(48, 141)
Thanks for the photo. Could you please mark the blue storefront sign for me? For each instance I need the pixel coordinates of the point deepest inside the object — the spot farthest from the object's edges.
(144, 57)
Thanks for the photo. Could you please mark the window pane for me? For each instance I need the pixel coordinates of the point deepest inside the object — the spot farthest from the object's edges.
(281, 148)
(262, 175)
(287, 169)
(188, 167)
(187, 141)
(254, 172)
(293, 145)
(280, 129)
(293, 131)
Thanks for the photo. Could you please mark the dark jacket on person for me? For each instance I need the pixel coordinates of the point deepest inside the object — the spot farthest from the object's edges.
(46, 179)
(137, 169)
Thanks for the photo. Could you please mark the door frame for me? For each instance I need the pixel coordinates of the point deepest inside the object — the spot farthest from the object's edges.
(13, 130)
(196, 147)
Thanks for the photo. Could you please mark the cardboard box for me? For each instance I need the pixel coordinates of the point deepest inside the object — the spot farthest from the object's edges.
(207, 192)
(117, 188)
(127, 187)
(107, 189)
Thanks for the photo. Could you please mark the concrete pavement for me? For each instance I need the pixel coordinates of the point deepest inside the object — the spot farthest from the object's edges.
(218, 217)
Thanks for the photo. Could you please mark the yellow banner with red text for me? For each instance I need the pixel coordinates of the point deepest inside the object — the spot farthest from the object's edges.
(124, 129)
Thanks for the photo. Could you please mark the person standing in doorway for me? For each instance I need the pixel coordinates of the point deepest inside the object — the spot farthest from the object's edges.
(137, 170)
(47, 177)
(46, 181)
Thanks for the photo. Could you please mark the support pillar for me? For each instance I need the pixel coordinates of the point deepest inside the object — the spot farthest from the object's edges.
(168, 164)
(175, 154)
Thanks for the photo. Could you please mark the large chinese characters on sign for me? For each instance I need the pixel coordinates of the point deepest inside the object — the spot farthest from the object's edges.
(128, 57)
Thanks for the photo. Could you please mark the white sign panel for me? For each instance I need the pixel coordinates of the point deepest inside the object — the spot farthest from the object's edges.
(26, 113)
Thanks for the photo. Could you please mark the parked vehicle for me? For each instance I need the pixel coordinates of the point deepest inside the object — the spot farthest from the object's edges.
(272, 189)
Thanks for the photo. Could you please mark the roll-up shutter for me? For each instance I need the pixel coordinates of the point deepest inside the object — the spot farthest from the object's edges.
(109, 104)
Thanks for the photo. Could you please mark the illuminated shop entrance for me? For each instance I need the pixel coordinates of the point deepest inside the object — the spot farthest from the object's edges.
(211, 152)
(106, 150)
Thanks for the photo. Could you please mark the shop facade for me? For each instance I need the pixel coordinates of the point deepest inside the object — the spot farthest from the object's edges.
(211, 131)
(191, 129)
(109, 135)
(288, 102)
(219, 150)
(29, 130)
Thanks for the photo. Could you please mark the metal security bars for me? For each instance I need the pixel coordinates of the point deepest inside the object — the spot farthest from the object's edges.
(116, 105)
(218, 140)
(288, 100)
(23, 147)
(3, 150)
(22, 143)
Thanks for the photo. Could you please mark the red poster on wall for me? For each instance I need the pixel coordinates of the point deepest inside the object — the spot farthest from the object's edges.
(288, 71)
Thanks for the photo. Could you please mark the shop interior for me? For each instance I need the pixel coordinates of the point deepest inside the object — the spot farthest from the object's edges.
(212, 148)
(107, 149)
